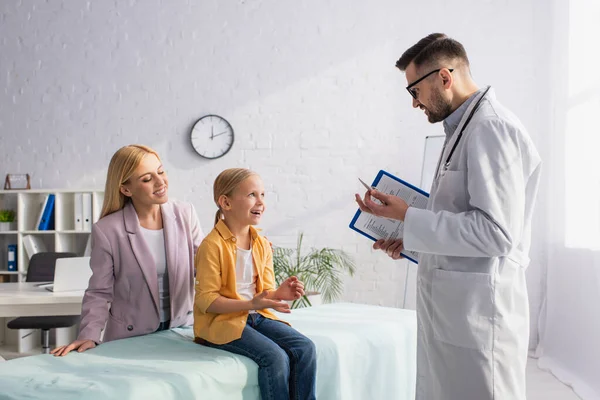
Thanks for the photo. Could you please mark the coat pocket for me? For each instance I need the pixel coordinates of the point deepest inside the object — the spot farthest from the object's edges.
(463, 308)
(114, 317)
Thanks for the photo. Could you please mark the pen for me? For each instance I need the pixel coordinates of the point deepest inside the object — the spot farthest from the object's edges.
(367, 186)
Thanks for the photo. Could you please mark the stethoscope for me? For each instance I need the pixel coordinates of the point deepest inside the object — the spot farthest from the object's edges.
(447, 163)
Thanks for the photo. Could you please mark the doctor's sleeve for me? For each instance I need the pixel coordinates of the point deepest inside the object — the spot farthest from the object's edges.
(495, 184)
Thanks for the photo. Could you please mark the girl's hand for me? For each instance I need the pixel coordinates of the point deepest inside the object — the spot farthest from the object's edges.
(260, 302)
(79, 345)
(290, 289)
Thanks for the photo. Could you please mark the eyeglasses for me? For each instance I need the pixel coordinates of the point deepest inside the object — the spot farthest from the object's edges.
(412, 92)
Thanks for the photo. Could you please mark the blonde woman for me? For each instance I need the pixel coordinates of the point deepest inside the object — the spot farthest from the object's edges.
(236, 286)
(142, 257)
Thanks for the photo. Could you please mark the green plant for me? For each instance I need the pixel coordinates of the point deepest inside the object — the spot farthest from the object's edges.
(7, 215)
(320, 270)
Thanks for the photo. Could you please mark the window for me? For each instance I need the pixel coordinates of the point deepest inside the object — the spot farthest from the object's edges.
(582, 136)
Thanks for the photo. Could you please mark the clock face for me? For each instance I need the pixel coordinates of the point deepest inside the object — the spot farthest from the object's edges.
(212, 136)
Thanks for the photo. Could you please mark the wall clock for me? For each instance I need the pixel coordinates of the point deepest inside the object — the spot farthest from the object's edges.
(212, 136)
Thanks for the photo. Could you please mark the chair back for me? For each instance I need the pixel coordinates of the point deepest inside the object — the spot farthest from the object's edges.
(41, 266)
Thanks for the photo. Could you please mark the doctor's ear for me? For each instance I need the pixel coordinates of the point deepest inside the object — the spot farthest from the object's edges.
(125, 191)
(447, 78)
(224, 202)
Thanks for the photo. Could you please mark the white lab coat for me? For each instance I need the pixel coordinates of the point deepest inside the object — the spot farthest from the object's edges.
(474, 239)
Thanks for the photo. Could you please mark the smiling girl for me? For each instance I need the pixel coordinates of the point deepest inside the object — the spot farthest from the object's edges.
(235, 287)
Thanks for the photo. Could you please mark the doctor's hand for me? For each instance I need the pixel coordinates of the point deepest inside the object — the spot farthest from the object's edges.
(391, 206)
(392, 247)
(79, 345)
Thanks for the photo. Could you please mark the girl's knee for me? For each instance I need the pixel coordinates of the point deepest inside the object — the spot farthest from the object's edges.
(307, 350)
(277, 358)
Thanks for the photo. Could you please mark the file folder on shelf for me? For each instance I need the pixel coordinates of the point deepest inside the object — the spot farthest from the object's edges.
(12, 257)
(78, 211)
(43, 204)
(86, 211)
(33, 245)
(47, 221)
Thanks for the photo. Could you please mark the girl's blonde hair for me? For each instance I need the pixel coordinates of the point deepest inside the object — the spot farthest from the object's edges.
(122, 165)
(226, 183)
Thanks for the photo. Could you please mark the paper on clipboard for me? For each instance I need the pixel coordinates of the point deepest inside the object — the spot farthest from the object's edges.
(376, 228)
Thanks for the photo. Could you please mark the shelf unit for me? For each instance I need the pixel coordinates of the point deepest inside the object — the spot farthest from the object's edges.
(27, 204)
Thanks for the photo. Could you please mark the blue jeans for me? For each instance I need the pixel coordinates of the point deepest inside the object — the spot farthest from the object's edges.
(287, 360)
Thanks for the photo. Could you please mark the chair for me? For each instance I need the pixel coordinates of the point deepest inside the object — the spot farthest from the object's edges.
(41, 269)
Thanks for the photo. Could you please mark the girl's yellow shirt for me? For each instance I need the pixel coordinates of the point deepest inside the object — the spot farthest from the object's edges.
(215, 276)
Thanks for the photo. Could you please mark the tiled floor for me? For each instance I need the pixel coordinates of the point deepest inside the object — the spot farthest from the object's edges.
(541, 385)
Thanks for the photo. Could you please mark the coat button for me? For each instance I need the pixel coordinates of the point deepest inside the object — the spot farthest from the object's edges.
(129, 327)
(233, 239)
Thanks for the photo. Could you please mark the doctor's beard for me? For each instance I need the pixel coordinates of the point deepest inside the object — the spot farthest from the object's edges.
(440, 109)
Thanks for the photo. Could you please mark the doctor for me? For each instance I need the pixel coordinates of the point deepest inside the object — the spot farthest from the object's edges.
(474, 236)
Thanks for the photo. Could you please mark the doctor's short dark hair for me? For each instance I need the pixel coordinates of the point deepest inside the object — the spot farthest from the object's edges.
(433, 49)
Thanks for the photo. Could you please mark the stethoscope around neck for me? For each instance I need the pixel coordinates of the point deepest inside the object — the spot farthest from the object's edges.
(473, 111)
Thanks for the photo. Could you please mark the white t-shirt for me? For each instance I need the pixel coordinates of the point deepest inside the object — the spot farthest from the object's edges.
(155, 239)
(245, 274)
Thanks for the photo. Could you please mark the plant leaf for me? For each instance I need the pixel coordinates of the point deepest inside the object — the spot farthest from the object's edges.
(321, 270)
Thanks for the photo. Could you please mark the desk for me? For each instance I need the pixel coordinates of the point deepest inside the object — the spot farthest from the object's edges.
(25, 299)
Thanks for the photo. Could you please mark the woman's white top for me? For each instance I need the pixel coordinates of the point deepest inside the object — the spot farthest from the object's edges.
(155, 239)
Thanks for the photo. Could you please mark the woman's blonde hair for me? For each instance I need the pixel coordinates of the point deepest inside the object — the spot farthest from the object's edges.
(122, 165)
(226, 183)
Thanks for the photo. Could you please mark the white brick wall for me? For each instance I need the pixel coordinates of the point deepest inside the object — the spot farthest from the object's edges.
(309, 87)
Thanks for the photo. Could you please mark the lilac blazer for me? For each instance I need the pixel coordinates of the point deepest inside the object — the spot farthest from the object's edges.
(123, 290)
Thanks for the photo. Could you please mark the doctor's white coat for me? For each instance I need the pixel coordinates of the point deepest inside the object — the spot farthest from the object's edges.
(474, 240)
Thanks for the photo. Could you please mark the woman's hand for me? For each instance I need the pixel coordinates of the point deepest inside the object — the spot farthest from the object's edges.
(261, 301)
(79, 345)
(290, 289)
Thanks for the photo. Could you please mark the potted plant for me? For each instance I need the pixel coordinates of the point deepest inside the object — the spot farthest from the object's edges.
(320, 269)
(7, 218)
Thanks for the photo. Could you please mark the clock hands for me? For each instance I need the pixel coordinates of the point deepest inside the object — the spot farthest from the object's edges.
(218, 134)
(212, 134)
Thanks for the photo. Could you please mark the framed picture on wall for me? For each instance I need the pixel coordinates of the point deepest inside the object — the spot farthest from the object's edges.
(17, 181)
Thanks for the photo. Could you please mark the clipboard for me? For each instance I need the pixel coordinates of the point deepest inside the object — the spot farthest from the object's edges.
(376, 228)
